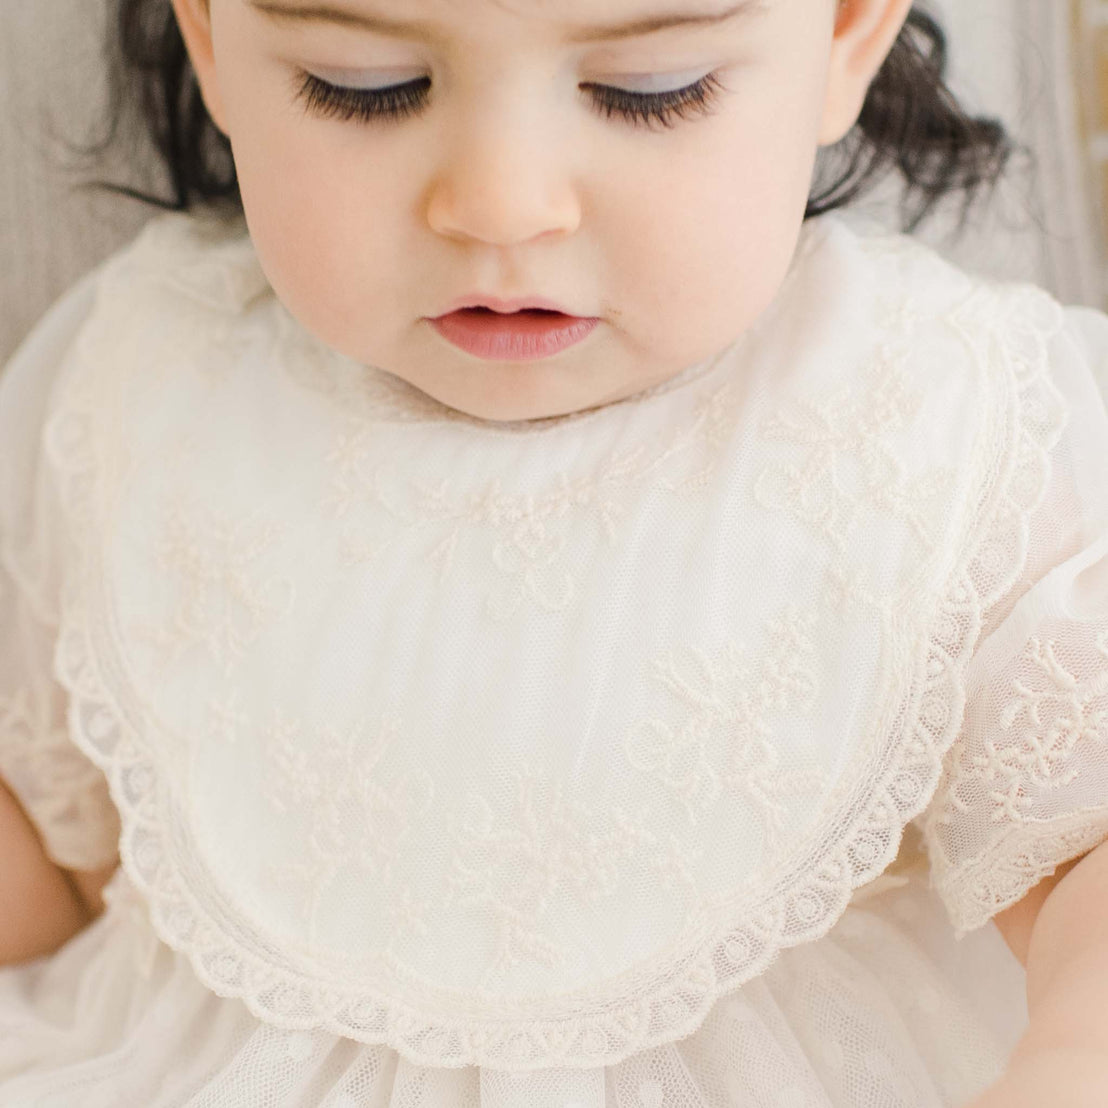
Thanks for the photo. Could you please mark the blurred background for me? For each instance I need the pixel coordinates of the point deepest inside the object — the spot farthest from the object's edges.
(1040, 65)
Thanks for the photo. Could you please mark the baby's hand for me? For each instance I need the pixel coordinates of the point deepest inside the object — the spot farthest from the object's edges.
(1062, 1060)
(40, 908)
(1052, 1079)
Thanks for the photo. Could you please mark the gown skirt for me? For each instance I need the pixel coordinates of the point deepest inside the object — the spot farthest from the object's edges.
(888, 1010)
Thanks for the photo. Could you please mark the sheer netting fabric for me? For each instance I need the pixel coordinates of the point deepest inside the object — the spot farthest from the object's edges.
(64, 794)
(1025, 788)
(564, 762)
(887, 1011)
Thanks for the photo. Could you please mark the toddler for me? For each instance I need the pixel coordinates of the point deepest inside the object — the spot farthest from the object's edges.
(509, 598)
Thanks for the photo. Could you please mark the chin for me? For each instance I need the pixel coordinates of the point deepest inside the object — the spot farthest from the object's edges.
(512, 401)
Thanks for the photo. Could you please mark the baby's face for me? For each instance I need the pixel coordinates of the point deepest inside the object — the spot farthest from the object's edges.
(509, 178)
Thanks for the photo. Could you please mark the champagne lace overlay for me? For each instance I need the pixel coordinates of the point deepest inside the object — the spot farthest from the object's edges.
(850, 431)
(556, 843)
(725, 740)
(222, 603)
(524, 533)
(1025, 790)
(317, 783)
(1050, 715)
(64, 795)
(924, 624)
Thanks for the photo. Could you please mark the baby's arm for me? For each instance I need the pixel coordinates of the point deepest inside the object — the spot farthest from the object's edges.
(41, 907)
(1062, 938)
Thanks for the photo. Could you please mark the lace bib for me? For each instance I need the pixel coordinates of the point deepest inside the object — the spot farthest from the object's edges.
(519, 744)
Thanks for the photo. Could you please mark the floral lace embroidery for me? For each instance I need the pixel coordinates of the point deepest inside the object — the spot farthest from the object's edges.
(1057, 715)
(226, 718)
(524, 534)
(1015, 862)
(730, 700)
(826, 490)
(514, 866)
(1008, 768)
(1038, 732)
(331, 783)
(221, 604)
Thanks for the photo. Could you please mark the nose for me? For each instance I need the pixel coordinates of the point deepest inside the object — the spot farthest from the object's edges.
(499, 183)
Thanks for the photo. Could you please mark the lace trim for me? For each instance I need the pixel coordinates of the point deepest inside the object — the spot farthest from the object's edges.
(63, 794)
(589, 1031)
(1015, 863)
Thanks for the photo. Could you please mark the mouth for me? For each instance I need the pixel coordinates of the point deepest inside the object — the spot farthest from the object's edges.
(524, 334)
(480, 310)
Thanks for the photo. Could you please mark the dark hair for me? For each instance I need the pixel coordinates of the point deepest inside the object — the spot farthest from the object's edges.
(911, 122)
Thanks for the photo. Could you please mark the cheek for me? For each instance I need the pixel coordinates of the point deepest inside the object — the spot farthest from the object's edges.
(714, 238)
(314, 193)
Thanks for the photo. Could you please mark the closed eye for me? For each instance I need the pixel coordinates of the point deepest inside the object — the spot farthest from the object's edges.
(398, 102)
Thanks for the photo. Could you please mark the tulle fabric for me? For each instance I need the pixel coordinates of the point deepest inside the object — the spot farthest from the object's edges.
(886, 1011)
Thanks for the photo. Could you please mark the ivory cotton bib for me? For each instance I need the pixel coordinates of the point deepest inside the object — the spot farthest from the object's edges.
(520, 744)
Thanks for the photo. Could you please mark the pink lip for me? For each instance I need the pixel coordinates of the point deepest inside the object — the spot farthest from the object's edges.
(508, 333)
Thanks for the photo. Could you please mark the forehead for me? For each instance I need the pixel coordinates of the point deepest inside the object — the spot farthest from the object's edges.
(578, 20)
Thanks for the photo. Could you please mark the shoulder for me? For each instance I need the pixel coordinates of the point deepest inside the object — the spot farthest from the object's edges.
(205, 257)
(1044, 363)
(187, 252)
(26, 385)
(183, 274)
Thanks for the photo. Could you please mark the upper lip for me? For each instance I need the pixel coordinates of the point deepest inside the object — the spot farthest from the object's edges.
(478, 300)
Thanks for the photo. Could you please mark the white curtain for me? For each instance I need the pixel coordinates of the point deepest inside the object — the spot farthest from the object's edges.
(52, 88)
(1015, 60)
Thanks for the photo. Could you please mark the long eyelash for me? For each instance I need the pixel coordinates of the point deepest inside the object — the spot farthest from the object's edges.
(366, 105)
(400, 101)
(663, 108)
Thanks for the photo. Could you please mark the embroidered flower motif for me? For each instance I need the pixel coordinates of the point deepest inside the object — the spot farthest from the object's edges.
(222, 599)
(516, 866)
(524, 534)
(226, 719)
(1058, 711)
(850, 462)
(351, 816)
(726, 739)
(522, 558)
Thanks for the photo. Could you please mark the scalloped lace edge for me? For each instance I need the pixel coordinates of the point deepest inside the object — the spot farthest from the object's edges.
(1015, 863)
(731, 957)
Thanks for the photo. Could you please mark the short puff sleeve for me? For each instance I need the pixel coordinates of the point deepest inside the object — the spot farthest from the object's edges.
(1024, 788)
(63, 793)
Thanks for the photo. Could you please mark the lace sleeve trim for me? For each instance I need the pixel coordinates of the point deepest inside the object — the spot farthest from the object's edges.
(999, 824)
(65, 796)
(1015, 863)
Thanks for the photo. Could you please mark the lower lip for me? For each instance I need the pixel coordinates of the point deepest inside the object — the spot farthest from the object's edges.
(515, 337)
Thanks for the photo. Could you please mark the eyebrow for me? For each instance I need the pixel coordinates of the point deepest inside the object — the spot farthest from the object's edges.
(384, 25)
